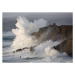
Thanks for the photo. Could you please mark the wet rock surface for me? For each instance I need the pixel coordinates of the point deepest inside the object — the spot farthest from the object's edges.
(54, 32)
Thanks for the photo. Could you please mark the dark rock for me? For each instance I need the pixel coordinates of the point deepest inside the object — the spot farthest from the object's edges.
(65, 46)
(54, 32)
(18, 50)
(13, 51)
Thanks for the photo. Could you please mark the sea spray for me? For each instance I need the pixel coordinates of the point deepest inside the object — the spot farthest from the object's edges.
(45, 48)
(50, 52)
(23, 32)
(23, 38)
(43, 52)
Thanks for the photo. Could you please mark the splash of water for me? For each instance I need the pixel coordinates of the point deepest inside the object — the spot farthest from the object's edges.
(23, 32)
(23, 38)
(45, 48)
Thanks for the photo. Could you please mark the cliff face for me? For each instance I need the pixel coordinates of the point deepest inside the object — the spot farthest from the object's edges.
(54, 32)
(65, 46)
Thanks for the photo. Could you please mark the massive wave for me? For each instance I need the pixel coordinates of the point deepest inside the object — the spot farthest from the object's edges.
(24, 30)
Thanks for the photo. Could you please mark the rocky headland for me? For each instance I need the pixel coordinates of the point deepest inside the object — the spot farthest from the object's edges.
(55, 32)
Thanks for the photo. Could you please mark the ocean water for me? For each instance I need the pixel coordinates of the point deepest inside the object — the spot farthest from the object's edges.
(20, 37)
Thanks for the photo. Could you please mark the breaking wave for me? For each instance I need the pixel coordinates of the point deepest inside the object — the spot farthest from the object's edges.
(43, 52)
(24, 30)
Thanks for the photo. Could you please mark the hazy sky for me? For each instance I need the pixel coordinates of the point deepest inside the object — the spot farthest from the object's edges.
(59, 18)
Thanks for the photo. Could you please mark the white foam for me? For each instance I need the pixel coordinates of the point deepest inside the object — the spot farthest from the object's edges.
(45, 48)
(24, 39)
(50, 52)
(43, 51)
(24, 30)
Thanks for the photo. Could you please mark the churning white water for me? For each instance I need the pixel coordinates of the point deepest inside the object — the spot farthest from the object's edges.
(24, 30)
(43, 52)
